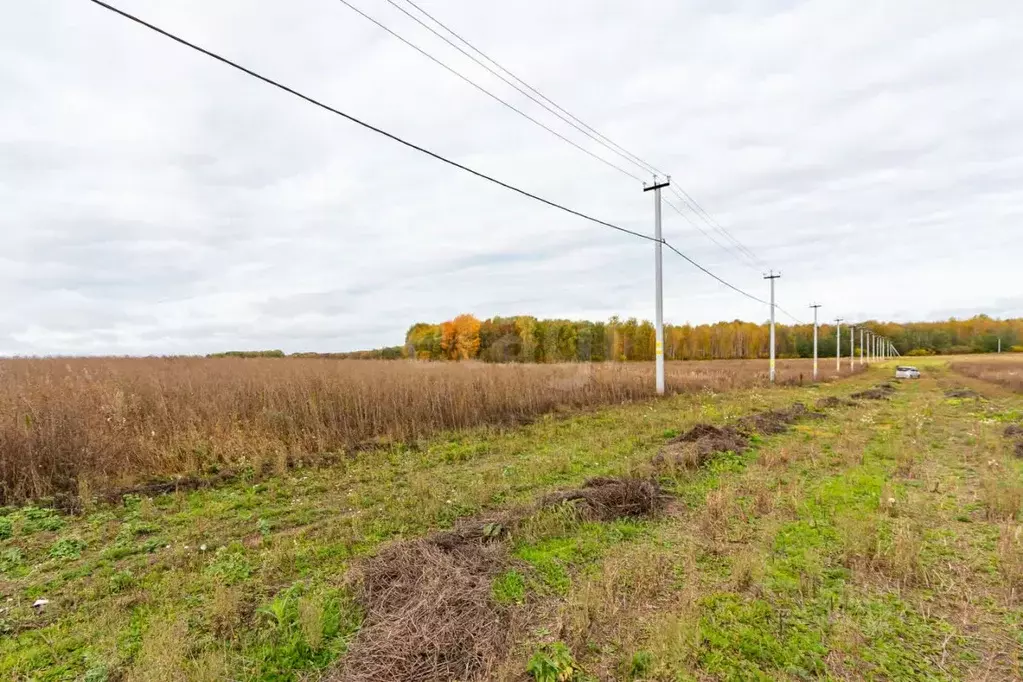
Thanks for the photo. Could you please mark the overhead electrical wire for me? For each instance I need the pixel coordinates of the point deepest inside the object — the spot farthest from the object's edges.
(488, 93)
(418, 148)
(708, 272)
(353, 119)
(695, 207)
(731, 252)
(544, 101)
(796, 319)
(536, 96)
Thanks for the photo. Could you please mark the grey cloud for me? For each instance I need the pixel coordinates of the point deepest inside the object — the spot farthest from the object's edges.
(155, 201)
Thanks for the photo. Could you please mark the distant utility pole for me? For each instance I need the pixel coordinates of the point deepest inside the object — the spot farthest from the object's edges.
(659, 286)
(838, 344)
(815, 306)
(852, 348)
(771, 276)
(999, 344)
(861, 347)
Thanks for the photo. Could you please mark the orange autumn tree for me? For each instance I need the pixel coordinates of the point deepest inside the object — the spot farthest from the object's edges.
(460, 338)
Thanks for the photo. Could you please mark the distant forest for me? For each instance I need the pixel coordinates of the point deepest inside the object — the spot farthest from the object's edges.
(528, 339)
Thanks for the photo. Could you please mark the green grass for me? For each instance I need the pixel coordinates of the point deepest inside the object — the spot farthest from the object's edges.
(862, 572)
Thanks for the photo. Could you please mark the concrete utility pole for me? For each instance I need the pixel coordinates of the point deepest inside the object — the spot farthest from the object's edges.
(838, 344)
(659, 286)
(771, 276)
(852, 348)
(815, 306)
(861, 346)
(999, 344)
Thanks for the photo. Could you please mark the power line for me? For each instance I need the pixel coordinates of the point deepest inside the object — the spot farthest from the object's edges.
(622, 150)
(487, 92)
(749, 258)
(353, 119)
(683, 195)
(708, 272)
(567, 118)
(709, 236)
(411, 145)
(796, 319)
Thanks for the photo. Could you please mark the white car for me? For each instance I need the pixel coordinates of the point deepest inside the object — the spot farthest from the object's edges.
(906, 372)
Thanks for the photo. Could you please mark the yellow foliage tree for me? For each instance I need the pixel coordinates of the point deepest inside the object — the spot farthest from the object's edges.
(460, 337)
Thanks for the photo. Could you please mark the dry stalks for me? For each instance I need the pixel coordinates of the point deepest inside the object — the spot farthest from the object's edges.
(1007, 372)
(115, 422)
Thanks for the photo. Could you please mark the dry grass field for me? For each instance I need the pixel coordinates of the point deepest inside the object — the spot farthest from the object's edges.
(78, 427)
(1005, 369)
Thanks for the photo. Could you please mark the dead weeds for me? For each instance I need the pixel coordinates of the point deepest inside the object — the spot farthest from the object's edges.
(429, 613)
(961, 393)
(605, 498)
(831, 402)
(429, 610)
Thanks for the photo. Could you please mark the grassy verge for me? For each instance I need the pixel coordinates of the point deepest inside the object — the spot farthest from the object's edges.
(882, 543)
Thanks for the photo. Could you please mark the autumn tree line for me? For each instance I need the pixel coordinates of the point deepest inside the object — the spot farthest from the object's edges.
(528, 339)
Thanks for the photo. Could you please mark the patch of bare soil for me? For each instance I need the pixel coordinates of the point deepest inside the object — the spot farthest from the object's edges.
(1019, 449)
(429, 612)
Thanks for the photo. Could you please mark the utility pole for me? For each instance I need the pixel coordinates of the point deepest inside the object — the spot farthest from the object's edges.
(861, 347)
(852, 348)
(838, 344)
(771, 276)
(999, 344)
(815, 306)
(659, 286)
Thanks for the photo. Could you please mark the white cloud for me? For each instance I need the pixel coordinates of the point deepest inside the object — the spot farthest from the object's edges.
(157, 202)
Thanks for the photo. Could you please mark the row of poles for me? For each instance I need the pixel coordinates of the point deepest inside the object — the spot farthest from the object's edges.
(873, 347)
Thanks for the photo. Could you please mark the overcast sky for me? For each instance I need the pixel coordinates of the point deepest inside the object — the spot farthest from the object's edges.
(155, 201)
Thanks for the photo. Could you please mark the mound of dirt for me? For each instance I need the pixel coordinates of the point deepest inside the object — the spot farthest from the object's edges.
(1013, 431)
(605, 498)
(961, 393)
(429, 614)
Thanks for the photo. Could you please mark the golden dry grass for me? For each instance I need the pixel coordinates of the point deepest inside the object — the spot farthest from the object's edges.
(1006, 369)
(75, 425)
